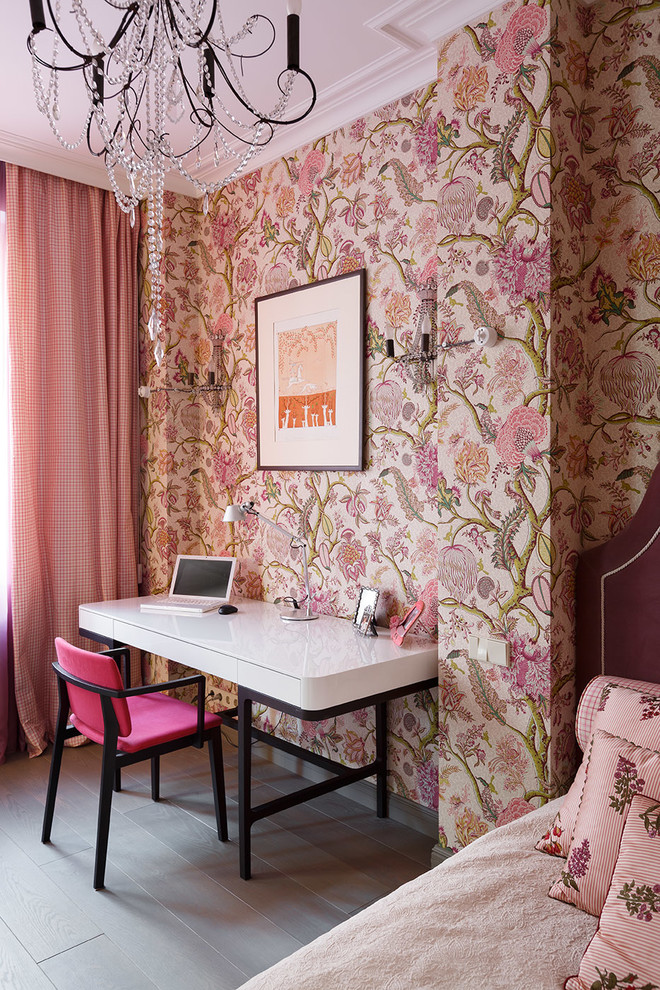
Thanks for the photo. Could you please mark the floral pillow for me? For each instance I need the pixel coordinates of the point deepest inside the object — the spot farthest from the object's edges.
(617, 771)
(625, 951)
(557, 839)
(622, 708)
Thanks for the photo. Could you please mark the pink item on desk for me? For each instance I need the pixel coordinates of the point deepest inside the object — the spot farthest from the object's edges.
(399, 627)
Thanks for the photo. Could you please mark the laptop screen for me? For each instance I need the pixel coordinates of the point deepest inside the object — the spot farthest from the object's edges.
(203, 577)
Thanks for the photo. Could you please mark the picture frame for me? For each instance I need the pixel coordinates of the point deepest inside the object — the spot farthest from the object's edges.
(365, 614)
(310, 376)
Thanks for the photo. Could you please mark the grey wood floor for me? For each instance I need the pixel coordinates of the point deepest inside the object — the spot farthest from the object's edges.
(175, 915)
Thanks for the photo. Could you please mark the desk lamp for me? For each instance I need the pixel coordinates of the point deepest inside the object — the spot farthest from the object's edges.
(237, 513)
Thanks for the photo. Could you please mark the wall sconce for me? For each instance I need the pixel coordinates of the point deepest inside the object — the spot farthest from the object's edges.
(422, 350)
(237, 513)
(211, 390)
(483, 337)
(216, 382)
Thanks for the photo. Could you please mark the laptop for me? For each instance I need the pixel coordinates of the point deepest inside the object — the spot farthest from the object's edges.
(199, 584)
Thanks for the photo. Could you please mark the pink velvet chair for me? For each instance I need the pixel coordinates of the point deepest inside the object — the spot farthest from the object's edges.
(132, 724)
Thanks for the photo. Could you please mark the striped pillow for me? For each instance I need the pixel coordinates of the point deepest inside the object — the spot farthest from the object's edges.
(622, 708)
(617, 771)
(625, 951)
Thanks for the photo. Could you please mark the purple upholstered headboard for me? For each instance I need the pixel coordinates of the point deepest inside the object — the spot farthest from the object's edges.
(618, 599)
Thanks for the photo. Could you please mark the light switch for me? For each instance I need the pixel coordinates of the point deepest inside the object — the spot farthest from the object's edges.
(485, 650)
(498, 652)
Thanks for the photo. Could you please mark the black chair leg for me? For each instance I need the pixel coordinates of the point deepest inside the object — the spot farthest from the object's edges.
(55, 762)
(218, 780)
(155, 778)
(117, 784)
(108, 772)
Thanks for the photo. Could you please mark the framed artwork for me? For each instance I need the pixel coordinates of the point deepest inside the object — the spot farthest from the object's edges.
(310, 376)
(364, 619)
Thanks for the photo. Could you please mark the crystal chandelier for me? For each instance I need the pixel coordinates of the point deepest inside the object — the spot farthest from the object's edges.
(152, 66)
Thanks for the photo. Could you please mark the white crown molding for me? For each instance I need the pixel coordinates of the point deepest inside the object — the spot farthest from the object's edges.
(443, 17)
(48, 157)
(359, 94)
(415, 23)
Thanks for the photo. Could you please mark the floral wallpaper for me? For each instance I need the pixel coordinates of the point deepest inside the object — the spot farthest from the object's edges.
(496, 449)
(548, 213)
(606, 245)
(527, 186)
(364, 197)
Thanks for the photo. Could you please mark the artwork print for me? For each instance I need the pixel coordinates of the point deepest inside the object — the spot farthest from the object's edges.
(306, 361)
(310, 375)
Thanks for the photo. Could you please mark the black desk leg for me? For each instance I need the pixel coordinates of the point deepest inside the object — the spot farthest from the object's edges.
(381, 756)
(244, 781)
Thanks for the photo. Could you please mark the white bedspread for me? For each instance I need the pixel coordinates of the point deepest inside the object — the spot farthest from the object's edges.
(482, 919)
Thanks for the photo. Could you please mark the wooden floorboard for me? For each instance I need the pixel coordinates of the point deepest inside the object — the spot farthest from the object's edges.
(99, 963)
(175, 912)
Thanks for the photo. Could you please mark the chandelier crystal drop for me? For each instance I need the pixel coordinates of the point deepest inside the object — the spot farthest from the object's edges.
(163, 78)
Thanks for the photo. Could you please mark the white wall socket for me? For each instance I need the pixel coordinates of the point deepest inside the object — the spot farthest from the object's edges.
(489, 650)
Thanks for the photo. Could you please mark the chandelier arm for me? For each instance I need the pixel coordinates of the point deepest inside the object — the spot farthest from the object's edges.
(196, 110)
(294, 120)
(129, 16)
(204, 34)
(123, 6)
(85, 58)
(214, 11)
(228, 130)
(97, 154)
(49, 65)
(135, 124)
(171, 26)
(262, 118)
(257, 17)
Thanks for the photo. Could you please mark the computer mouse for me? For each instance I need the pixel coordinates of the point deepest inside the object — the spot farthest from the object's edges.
(227, 609)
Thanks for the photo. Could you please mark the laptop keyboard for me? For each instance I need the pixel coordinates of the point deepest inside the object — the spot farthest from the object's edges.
(173, 604)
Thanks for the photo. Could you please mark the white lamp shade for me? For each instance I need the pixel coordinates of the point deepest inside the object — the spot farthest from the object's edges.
(234, 513)
(294, 7)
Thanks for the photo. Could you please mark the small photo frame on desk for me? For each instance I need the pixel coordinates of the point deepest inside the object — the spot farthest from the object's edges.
(364, 619)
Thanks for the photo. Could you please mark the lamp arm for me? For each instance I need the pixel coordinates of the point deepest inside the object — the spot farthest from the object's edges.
(249, 508)
(307, 591)
(269, 522)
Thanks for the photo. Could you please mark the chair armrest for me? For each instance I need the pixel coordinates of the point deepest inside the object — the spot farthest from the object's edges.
(162, 686)
(107, 692)
(198, 679)
(128, 692)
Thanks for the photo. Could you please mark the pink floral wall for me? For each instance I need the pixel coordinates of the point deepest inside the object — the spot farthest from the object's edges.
(607, 247)
(363, 197)
(539, 204)
(548, 210)
(496, 457)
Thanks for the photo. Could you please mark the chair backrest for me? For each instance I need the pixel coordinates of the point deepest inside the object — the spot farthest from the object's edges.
(100, 670)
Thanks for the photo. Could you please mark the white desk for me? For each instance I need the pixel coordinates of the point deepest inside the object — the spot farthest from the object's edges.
(312, 670)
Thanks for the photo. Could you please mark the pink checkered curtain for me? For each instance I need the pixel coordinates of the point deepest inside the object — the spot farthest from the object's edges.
(72, 289)
(8, 722)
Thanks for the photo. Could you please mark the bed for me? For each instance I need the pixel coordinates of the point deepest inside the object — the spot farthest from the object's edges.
(483, 918)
